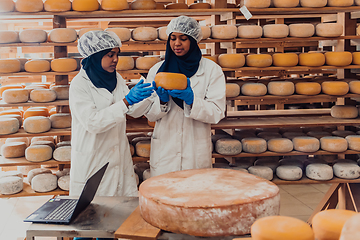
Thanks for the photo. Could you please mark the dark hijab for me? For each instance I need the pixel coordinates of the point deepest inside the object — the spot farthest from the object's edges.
(187, 64)
(98, 76)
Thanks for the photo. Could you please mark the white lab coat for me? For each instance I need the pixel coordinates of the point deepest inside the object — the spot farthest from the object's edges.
(182, 138)
(98, 135)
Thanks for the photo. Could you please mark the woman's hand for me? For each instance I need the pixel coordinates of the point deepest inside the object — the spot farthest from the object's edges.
(162, 93)
(187, 94)
(139, 92)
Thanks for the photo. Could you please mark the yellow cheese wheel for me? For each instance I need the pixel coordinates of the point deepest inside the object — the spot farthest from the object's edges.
(33, 36)
(38, 153)
(259, 60)
(170, 81)
(125, 63)
(223, 31)
(63, 65)
(285, 3)
(213, 58)
(327, 225)
(57, 5)
(307, 88)
(85, 30)
(8, 36)
(329, 29)
(336, 88)
(235, 60)
(13, 149)
(37, 124)
(340, 3)
(200, 5)
(255, 3)
(253, 89)
(143, 5)
(176, 6)
(85, 5)
(312, 59)
(25, 140)
(357, 2)
(354, 87)
(7, 6)
(353, 142)
(36, 111)
(35, 86)
(306, 144)
(301, 30)
(42, 138)
(144, 34)
(162, 33)
(142, 148)
(37, 66)
(8, 125)
(12, 86)
(44, 142)
(285, 59)
(62, 91)
(160, 5)
(276, 30)
(351, 226)
(42, 95)
(145, 63)
(151, 124)
(343, 111)
(63, 35)
(15, 95)
(254, 145)
(281, 228)
(250, 31)
(333, 144)
(281, 88)
(11, 111)
(232, 90)
(206, 32)
(9, 65)
(114, 5)
(18, 117)
(29, 5)
(356, 58)
(312, 3)
(60, 120)
(123, 33)
(280, 145)
(338, 59)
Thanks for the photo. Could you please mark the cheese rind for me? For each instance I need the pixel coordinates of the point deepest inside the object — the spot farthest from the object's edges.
(223, 31)
(37, 66)
(13, 149)
(250, 31)
(63, 35)
(9, 65)
(338, 59)
(350, 230)
(85, 5)
(62, 91)
(312, 59)
(285, 3)
(306, 144)
(253, 89)
(336, 88)
(29, 6)
(33, 36)
(171, 81)
(114, 5)
(143, 5)
(37, 124)
(11, 185)
(229, 146)
(255, 3)
(43, 95)
(15, 96)
(162, 33)
(8, 125)
(312, 3)
(206, 32)
(301, 30)
(38, 153)
(259, 60)
(64, 182)
(345, 112)
(44, 182)
(289, 172)
(144, 34)
(145, 63)
(142, 148)
(280, 145)
(346, 170)
(319, 171)
(8, 36)
(340, 3)
(63, 65)
(281, 88)
(60, 120)
(254, 145)
(32, 173)
(62, 153)
(333, 144)
(7, 6)
(276, 30)
(235, 60)
(308, 88)
(123, 33)
(329, 29)
(262, 171)
(57, 5)
(285, 59)
(232, 90)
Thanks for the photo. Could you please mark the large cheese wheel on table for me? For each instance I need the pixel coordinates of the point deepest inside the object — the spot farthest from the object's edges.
(329, 29)
(15, 95)
(285, 59)
(8, 125)
(8, 36)
(37, 66)
(143, 5)
(125, 63)
(29, 6)
(259, 60)
(312, 3)
(301, 30)
(276, 30)
(336, 88)
(307, 88)
(338, 59)
(114, 5)
(285, 3)
(223, 31)
(57, 5)
(340, 3)
(33, 36)
(255, 3)
(85, 5)
(63, 35)
(123, 33)
(63, 65)
(144, 34)
(9, 65)
(170, 81)
(7, 6)
(343, 111)
(235, 60)
(202, 202)
(250, 31)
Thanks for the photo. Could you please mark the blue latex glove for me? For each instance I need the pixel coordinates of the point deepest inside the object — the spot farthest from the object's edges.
(187, 94)
(162, 93)
(139, 92)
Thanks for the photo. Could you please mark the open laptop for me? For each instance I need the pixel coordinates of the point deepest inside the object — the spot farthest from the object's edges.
(63, 211)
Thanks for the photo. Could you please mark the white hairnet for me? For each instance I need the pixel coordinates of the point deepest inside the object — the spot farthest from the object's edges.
(185, 25)
(95, 41)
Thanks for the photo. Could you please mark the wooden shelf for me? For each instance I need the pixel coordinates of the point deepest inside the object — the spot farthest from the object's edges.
(11, 162)
(28, 191)
(52, 132)
(26, 104)
(138, 125)
(39, 74)
(306, 180)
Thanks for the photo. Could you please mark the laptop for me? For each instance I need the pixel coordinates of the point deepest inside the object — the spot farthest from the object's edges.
(63, 211)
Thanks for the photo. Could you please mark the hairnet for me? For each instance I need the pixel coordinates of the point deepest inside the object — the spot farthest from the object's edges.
(185, 25)
(95, 41)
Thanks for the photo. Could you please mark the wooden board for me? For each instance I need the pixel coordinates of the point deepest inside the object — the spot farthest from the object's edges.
(30, 103)
(136, 228)
(21, 161)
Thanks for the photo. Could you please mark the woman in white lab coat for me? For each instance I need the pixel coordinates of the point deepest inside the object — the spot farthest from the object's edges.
(182, 135)
(99, 101)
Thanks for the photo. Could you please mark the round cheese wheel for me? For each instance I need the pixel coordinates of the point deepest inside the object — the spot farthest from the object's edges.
(285, 59)
(9, 65)
(7, 6)
(13, 149)
(229, 146)
(174, 202)
(356, 58)
(311, 3)
(250, 31)
(333, 144)
(318, 134)
(60, 120)
(281, 227)
(144, 34)
(37, 124)
(258, 60)
(253, 89)
(11, 185)
(353, 142)
(346, 170)
(235, 60)
(63, 35)
(162, 33)
(280, 145)
(125, 63)
(48, 143)
(327, 224)
(255, 3)
(30, 112)
(170, 81)
(18, 117)
(338, 58)
(276, 30)
(37, 66)
(223, 31)
(357, 2)
(343, 111)
(38, 153)
(11, 111)
(57, 5)
(85, 5)
(311, 59)
(29, 6)
(63, 143)
(232, 90)
(268, 135)
(285, 3)
(329, 29)
(44, 182)
(351, 227)
(301, 30)
(6, 87)
(64, 183)
(8, 36)
(42, 95)
(281, 88)
(123, 33)
(307, 88)
(62, 153)
(336, 88)
(42, 138)
(342, 133)
(61, 173)
(15, 96)
(114, 5)
(262, 171)
(206, 32)
(142, 148)
(33, 36)
(213, 58)
(200, 5)
(11, 174)
(289, 173)
(143, 5)
(63, 65)
(340, 3)
(85, 30)
(319, 171)
(32, 173)
(18, 139)
(176, 6)
(254, 145)
(306, 144)
(62, 91)
(145, 63)
(8, 125)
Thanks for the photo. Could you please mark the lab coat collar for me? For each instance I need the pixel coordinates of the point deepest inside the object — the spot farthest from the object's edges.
(102, 91)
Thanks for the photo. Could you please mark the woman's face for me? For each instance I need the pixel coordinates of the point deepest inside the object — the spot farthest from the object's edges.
(110, 60)
(179, 43)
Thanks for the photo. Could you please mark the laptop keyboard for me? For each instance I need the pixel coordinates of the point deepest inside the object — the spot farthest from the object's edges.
(63, 211)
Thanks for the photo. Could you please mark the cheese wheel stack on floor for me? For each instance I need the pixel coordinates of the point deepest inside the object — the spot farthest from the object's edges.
(209, 210)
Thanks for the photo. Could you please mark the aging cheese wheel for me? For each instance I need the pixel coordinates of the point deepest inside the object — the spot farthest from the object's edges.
(61, 173)
(18, 117)
(63, 143)
(258, 60)
(29, 6)
(347, 170)
(356, 58)
(280, 145)
(143, 5)
(57, 5)
(312, 59)
(145, 63)
(350, 230)
(206, 32)
(342, 133)
(254, 145)
(353, 142)
(42, 138)
(250, 31)
(38, 153)
(162, 33)
(32, 173)
(33, 36)
(289, 172)
(340, 3)
(268, 135)
(253, 89)
(285, 59)
(114, 5)
(285, 3)
(64, 182)
(62, 153)
(19, 139)
(43, 95)
(200, 5)
(232, 90)
(7, 6)
(343, 111)
(281, 227)
(262, 171)
(142, 148)
(170, 81)
(329, 29)
(11, 185)
(8, 36)
(44, 182)
(60, 120)
(44, 142)
(144, 34)
(301, 30)
(11, 111)
(176, 6)
(307, 88)
(281, 88)
(125, 63)
(228, 146)
(9, 65)
(15, 96)
(13, 149)
(327, 224)
(123, 33)
(52, 111)
(63, 35)
(85, 5)
(255, 3)
(357, 2)
(235, 60)
(63, 65)
(223, 31)
(276, 30)
(319, 171)
(85, 30)
(8, 125)
(312, 3)
(175, 202)
(34, 111)
(333, 144)
(62, 91)
(318, 134)
(338, 59)
(306, 144)
(336, 88)
(213, 58)
(37, 124)
(37, 66)
(11, 174)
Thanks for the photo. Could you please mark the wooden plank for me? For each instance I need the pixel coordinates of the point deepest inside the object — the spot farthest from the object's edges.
(270, 113)
(28, 191)
(136, 228)
(21, 161)
(52, 132)
(28, 104)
